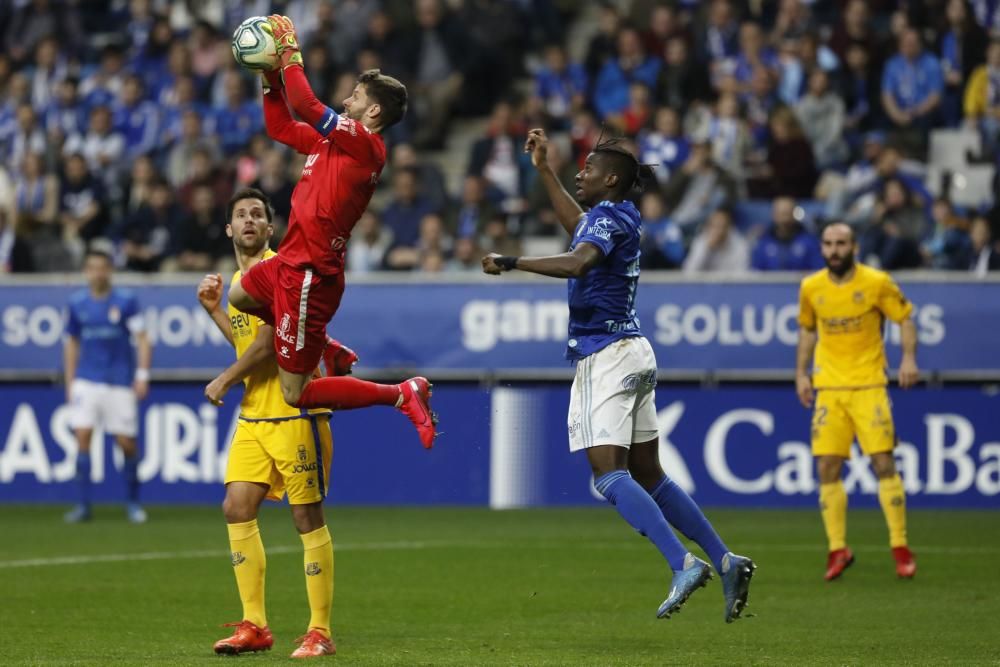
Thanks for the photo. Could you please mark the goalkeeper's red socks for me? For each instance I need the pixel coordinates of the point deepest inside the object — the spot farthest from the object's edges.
(347, 393)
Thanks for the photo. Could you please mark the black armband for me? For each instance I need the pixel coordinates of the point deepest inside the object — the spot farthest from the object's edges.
(506, 262)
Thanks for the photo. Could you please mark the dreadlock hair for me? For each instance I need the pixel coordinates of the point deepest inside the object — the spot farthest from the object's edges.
(632, 174)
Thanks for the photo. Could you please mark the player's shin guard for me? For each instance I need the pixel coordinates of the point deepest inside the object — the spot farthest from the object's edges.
(249, 564)
(892, 497)
(638, 509)
(347, 393)
(131, 473)
(684, 514)
(318, 559)
(83, 477)
(833, 508)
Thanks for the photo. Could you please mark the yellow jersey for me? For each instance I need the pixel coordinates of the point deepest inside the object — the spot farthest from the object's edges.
(262, 397)
(849, 318)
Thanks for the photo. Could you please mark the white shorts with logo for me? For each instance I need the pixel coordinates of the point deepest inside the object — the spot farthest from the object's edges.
(612, 399)
(112, 407)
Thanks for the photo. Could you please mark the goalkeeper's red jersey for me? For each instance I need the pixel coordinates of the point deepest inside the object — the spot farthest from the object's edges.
(343, 162)
(337, 182)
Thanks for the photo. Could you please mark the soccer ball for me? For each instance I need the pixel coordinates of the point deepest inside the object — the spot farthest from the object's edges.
(253, 45)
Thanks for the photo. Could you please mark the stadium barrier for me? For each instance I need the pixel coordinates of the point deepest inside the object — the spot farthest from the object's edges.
(504, 439)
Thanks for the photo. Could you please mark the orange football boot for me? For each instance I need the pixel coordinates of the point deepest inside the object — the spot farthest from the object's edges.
(247, 638)
(415, 404)
(838, 561)
(906, 566)
(314, 644)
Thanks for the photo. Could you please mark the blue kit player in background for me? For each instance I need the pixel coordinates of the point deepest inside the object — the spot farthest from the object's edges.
(612, 413)
(104, 384)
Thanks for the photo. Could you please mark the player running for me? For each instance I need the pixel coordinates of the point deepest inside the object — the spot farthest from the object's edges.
(841, 313)
(299, 290)
(276, 448)
(104, 382)
(612, 413)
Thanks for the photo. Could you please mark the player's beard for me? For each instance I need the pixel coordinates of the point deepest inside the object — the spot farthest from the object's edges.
(846, 264)
(250, 248)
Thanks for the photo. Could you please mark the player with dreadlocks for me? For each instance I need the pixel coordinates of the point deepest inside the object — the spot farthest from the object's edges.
(612, 412)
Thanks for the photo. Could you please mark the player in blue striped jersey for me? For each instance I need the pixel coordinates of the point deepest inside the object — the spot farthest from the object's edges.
(104, 382)
(612, 413)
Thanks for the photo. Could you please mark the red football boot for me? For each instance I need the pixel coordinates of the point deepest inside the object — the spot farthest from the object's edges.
(314, 644)
(247, 638)
(415, 395)
(338, 358)
(838, 561)
(906, 566)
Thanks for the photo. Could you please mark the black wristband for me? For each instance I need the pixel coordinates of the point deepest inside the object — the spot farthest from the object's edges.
(506, 262)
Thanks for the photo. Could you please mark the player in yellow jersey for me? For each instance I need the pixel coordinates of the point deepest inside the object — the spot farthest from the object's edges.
(842, 310)
(276, 449)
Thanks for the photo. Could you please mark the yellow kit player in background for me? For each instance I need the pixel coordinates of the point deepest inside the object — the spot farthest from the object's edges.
(276, 449)
(841, 315)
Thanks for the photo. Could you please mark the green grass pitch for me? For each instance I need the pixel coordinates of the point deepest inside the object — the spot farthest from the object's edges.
(472, 587)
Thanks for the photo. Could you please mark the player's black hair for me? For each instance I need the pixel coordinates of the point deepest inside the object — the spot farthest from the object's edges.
(632, 174)
(831, 223)
(100, 248)
(389, 93)
(250, 193)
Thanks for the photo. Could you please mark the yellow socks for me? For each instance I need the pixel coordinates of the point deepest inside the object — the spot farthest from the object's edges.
(892, 497)
(249, 563)
(833, 507)
(318, 559)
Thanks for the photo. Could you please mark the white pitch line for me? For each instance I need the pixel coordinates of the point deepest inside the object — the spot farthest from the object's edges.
(210, 553)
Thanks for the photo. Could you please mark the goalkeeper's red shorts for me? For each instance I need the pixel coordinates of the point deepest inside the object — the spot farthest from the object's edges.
(301, 303)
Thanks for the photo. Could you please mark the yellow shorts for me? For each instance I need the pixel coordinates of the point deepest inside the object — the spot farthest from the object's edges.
(290, 456)
(840, 415)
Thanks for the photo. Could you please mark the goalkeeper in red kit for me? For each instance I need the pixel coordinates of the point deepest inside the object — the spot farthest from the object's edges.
(298, 291)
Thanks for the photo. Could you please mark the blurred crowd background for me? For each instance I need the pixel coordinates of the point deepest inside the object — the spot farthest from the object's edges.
(128, 120)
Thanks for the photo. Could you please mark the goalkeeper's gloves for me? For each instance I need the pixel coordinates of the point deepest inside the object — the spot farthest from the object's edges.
(285, 41)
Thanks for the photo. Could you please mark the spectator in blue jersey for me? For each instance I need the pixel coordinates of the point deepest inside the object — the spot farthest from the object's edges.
(49, 68)
(950, 248)
(64, 115)
(560, 87)
(754, 53)
(719, 39)
(104, 83)
(136, 119)
(240, 118)
(786, 245)
(632, 64)
(912, 85)
(664, 145)
(406, 208)
(27, 137)
(152, 57)
(105, 377)
(662, 241)
(612, 414)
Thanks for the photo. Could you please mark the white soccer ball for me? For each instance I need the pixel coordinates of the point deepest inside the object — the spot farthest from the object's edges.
(253, 45)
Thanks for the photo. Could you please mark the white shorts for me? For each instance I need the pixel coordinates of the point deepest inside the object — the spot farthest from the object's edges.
(612, 399)
(112, 407)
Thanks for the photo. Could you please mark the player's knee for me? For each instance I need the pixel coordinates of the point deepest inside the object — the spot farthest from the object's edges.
(883, 465)
(307, 518)
(236, 511)
(828, 469)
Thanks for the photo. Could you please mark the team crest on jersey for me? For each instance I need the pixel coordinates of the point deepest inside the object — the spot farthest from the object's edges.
(114, 315)
(859, 297)
(284, 328)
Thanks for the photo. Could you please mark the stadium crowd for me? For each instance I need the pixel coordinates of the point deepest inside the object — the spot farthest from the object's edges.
(131, 121)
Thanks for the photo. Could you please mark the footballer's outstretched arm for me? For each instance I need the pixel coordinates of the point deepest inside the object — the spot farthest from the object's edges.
(259, 351)
(283, 128)
(573, 264)
(567, 210)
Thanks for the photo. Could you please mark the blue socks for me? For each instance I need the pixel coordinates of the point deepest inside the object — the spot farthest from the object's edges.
(83, 477)
(685, 515)
(131, 472)
(638, 509)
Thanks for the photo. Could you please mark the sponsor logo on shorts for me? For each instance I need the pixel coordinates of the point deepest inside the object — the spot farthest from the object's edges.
(285, 329)
(238, 558)
(301, 454)
(284, 351)
(574, 428)
(632, 383)
(303, 467)
(312, 569)
(311, 483)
